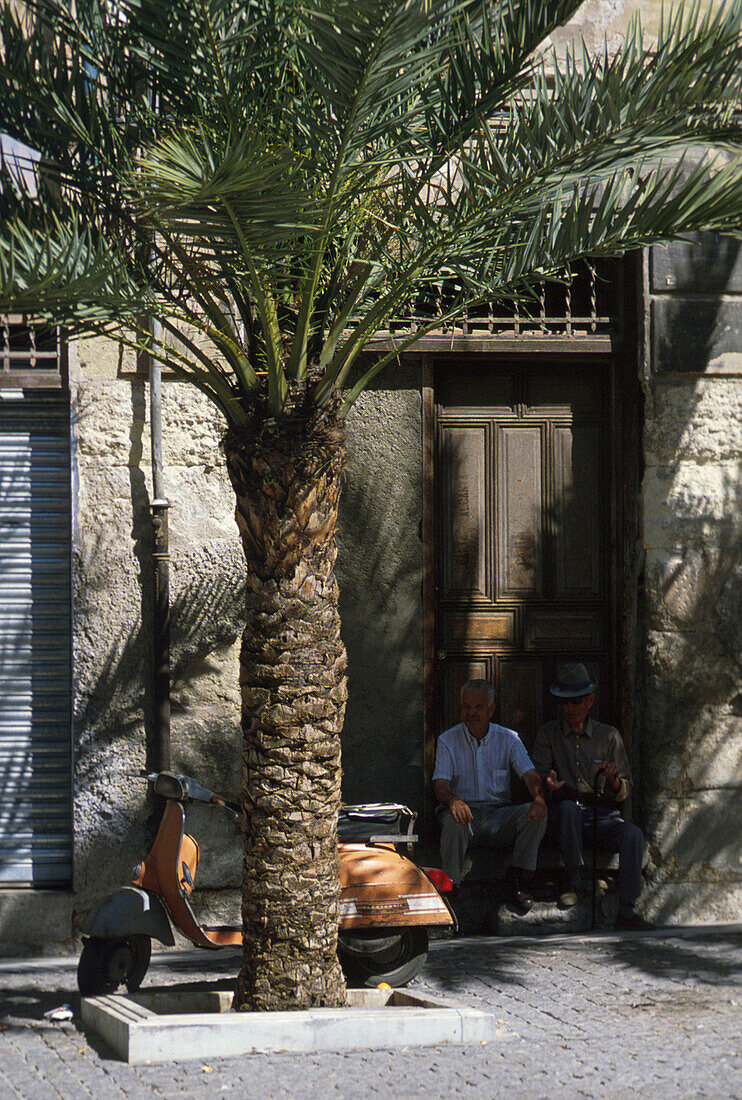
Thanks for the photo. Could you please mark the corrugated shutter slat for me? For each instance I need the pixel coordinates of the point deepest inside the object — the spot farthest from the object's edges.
(35, 641)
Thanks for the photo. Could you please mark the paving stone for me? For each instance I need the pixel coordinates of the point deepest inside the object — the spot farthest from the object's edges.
(610, 1017)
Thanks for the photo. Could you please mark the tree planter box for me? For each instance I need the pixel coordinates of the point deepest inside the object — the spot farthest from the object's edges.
(177, 1027)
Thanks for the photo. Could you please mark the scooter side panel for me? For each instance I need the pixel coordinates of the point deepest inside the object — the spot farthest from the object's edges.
(380, 887)
(163, 873)
(130, 911)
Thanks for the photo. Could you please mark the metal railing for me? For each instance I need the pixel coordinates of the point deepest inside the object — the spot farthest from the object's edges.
(32, 353)
(585, 304)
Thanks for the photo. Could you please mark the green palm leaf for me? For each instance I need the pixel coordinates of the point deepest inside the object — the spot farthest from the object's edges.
(282, 177)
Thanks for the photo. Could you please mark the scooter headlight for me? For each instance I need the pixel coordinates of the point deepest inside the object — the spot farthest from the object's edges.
(169, 786)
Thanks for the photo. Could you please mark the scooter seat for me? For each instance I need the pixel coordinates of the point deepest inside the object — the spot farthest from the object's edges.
(387, 820)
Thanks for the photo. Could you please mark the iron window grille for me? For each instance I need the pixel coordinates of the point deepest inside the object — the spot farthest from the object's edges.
(32, 353)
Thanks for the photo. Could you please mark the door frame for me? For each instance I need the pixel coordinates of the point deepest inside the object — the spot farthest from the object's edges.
(624, 400)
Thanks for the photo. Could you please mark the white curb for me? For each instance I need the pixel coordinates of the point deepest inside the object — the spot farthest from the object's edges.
(176, 1027)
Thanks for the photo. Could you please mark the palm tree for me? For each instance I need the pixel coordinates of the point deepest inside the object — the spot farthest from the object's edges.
(271, 182)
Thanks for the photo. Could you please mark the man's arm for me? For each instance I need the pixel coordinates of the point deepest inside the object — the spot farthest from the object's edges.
(541, 754)
(532, 780)
(459, 809)
(545, 763)
(617, 771)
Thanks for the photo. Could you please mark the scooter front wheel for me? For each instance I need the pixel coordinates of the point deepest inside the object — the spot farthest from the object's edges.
(391, 955)
(106, 964)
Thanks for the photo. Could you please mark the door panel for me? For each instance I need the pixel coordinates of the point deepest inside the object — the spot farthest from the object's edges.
(523, 494)
(519, 500)
(520, 688)
(464, 558)
(576, 506)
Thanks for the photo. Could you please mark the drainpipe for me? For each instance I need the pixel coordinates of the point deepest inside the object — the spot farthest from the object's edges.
(160, 754)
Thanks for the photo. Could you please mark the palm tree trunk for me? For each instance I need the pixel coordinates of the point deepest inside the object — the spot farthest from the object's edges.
(292, 676)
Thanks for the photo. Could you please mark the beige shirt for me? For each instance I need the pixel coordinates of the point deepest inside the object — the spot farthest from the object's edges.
(576, 757)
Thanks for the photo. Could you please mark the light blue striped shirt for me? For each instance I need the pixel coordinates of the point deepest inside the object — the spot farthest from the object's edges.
(479, 771)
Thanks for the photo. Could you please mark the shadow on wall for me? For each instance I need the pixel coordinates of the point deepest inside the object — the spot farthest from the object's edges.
(379, 571)
(112, 799)
(688, 749)
(113, 716)
(206, 618)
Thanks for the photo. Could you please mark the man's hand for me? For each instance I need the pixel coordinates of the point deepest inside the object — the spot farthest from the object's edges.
(610, 771)
(553, 783)
(460, 811)
(537, 811)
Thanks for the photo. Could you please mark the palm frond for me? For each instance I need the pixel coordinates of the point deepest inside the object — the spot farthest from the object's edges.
(46, 270)
(281, 176)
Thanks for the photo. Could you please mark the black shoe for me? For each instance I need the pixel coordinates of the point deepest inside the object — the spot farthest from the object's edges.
(523, 900)
(633, 923)
(521, 893)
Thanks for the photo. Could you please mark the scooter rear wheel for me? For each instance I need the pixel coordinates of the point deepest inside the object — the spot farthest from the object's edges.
(391, 955)
(106, 964)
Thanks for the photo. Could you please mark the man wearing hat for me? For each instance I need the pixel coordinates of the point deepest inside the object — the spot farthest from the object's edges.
(581, 760)
(471, 781)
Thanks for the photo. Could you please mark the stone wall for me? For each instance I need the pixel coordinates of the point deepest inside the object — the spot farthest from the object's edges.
(690, 741)
(112, 618)
(380, 577)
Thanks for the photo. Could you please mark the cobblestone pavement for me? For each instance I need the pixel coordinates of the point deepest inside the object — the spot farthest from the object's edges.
(607, 1016)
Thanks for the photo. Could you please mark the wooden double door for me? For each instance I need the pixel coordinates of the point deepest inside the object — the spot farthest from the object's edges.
(525, 508)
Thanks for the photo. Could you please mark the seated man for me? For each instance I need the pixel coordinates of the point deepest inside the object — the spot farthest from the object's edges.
(471, 780)
(581, 759)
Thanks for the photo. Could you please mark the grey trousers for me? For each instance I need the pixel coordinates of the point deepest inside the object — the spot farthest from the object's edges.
(492, 827)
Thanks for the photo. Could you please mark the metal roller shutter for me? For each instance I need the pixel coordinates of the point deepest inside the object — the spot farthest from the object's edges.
(35, 639)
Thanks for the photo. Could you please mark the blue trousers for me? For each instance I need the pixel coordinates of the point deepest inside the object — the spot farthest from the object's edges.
(572, 825)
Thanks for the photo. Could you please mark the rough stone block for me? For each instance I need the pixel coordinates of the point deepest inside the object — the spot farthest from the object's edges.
(691, 902)
(714, 759)
(689, 749)
(696, 336)
(706, 262)
(699, 418)
(110, 812)
(111, 420)
(698, 834)
(602, 25)
(108, 422)
(692, 670)
(34, 919)
(201, 505)
(692, 504)
(99, 358)
(220, 907)
(682, 586)
(727, 611)
(114, 504)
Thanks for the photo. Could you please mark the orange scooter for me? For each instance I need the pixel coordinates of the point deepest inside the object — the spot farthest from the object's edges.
(387, 903)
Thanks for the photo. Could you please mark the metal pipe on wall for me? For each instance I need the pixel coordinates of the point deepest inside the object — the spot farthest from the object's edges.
(160, 748)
